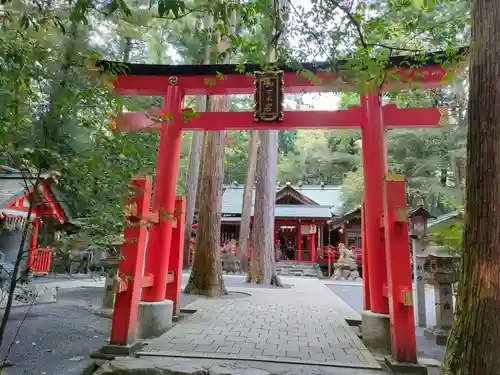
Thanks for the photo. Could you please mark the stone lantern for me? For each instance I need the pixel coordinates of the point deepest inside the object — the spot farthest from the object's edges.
(441, 272)
(111, 263)
(418, 230)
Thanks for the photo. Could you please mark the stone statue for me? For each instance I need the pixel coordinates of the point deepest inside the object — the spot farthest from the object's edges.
(346, 267)
(229, 260)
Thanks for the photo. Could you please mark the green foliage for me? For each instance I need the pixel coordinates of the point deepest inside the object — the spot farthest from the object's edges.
(55, 113)
(450, 236)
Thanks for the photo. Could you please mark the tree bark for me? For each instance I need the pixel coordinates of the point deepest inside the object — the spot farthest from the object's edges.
(457, 178)
(193, 176)
(206, 275)
(472, 347)
(246, 210)
(263, 266)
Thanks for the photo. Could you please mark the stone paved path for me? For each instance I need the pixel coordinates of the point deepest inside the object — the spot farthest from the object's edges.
(302, 325)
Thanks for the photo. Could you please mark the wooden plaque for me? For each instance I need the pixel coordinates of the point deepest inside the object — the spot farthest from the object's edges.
(268, 96)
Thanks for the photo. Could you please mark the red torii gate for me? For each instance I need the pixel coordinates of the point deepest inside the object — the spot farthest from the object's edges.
(381, 295)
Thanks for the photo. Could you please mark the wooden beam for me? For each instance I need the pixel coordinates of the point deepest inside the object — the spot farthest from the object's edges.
(352, 118)
(232, 84)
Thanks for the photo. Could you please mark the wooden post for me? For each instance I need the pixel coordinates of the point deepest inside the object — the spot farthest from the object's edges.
(418, 276)
(374, 170)
(313, 247)
(158, 253)
(320, 236)
(32, 251)
(364, 262)
(176, 255)
(129, 280)
(400, 291)
(299, 243)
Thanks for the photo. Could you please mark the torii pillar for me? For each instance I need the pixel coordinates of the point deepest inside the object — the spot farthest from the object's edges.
(376, 320)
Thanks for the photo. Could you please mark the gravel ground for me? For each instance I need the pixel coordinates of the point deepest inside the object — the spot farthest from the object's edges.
(56, 339)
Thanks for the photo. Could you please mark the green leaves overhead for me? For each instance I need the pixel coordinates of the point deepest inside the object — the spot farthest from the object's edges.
(54, 111)
(168, 8)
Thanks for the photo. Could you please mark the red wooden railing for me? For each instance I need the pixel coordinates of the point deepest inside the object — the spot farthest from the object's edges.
(40, 260)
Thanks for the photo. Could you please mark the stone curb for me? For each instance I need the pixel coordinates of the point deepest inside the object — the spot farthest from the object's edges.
(206, 366)
(371, 366)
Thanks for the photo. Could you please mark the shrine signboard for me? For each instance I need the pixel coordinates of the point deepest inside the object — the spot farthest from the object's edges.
(268, 96)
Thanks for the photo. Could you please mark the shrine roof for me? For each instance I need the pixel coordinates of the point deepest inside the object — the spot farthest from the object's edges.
(328, 201)
(445, 220)
(291, 211)
(14, 183)
(422, 60)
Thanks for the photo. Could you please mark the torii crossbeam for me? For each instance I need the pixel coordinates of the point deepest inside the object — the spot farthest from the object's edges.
(351, 118)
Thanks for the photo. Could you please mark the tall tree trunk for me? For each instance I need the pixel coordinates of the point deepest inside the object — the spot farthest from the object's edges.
(126, 48)
(195, 155)
(457, 178)
(246, 210)
(472, 347)
(193, 176)
(263, 266)
(206, 275)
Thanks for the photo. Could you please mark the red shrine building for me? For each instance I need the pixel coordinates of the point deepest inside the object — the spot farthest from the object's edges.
(49, 213)
(305, 217)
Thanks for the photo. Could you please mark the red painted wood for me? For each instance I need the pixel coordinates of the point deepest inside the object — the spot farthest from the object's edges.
(147, 281)
(127, 303)
(51, 206)
(299, 242)
(160, 236)
(394, 117)
(351, 118)
(329, 264)
(313, 248)
(33, 243)
(366, 270)
(399, 271)
(128, 84)
(374, 170)
(52, 202)
(173, 292)
(40, 263)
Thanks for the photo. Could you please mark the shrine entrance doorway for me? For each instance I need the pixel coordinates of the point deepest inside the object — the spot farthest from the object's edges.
(387, 280)
(286, 241)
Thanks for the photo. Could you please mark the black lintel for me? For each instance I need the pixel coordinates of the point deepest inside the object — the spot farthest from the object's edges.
(422, 60)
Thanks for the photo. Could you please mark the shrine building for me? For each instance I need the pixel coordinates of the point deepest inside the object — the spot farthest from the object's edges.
(49, 214)
(307, 220)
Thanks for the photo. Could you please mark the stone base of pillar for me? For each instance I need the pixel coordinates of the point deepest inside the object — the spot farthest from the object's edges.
(109, 352)
(376, 331)
(437, 334)
(405, 368)
(154, 318)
